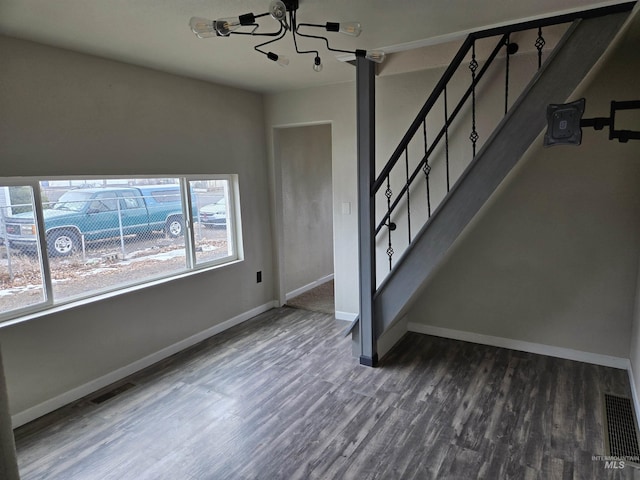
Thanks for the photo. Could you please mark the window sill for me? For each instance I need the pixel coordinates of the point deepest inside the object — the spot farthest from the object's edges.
(45, 310)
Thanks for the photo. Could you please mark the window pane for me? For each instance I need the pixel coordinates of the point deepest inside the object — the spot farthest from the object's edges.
(213, 220)
(107, 234)
(21, 280)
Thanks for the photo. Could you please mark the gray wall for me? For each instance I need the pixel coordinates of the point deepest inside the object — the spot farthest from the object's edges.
(334, 104)
(63, 113)
(553, 259)
(629, 56)
(305, 160)
(398, 100)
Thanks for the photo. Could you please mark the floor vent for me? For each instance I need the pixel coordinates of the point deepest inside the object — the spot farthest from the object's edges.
(621, 434)
(103, 397)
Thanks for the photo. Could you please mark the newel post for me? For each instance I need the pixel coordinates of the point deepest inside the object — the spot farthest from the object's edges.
(365, 84)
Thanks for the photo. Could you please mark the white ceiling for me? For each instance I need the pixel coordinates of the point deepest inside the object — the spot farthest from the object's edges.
(155, 33)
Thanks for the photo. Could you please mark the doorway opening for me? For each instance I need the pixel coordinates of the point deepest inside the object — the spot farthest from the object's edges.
(306, 260)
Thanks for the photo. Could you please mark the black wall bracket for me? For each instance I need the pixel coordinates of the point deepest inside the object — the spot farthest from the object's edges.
(565, 122)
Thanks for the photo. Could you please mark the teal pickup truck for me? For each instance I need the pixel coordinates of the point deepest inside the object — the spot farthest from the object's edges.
(99, 213)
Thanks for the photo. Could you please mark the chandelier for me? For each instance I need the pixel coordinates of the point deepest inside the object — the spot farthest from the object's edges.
(284, 12)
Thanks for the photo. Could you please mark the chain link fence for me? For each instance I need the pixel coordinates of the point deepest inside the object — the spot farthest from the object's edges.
(21, 279)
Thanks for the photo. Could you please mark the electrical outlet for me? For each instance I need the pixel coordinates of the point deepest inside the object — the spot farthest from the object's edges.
(259, 277)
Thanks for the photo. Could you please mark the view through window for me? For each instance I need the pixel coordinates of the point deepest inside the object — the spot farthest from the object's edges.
(21, 276)
(106, 234)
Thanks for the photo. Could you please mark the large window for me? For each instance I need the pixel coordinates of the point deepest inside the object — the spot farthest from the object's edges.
(62, 240)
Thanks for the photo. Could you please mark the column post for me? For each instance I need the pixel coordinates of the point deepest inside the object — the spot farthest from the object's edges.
(365, 84)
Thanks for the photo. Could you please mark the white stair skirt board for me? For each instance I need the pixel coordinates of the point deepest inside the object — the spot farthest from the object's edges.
(539, 348)
(77, 393)
(309, 286)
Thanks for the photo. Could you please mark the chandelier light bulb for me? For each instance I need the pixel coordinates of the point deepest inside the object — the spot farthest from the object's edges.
(278, 10)
(279, 59)
(224, 26)
(350, 28)
(317, 64)
(284, 11)
(202, 27)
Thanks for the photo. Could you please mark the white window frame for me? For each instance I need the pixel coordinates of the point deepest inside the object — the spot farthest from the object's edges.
(50, 305)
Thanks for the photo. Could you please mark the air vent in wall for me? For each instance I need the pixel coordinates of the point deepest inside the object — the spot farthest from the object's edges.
(621, 435)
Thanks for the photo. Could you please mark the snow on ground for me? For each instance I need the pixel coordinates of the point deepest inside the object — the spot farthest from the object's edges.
(96, 266)
(16, 290)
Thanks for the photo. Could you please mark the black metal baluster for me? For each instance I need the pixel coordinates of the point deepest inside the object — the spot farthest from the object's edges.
(539, 45)
(511, 48)
(506, 78)
(446, 133)
(406, 164)
(426, 168)
(390, 226)
(473, 66)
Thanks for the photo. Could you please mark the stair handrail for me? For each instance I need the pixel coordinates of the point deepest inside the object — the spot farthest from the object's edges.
(462, 53)
(442, 131)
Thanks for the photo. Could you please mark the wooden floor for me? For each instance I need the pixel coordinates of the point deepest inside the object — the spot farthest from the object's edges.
(280, 397)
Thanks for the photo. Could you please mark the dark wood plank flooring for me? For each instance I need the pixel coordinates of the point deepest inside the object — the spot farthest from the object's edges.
(280, 397)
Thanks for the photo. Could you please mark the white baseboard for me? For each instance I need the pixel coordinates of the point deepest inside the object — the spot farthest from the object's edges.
(346, 316)
(50, 405)
(77, 393)
(539, 348)
(307, 287)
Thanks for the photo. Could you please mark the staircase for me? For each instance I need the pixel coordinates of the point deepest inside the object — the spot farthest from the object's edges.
(409, 245)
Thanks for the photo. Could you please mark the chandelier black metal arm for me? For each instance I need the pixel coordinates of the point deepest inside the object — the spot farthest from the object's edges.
(249, 20)
(317, 62)
(319, 37)
(373, 55)
(254, 33)
(279, 59)
(285, 13)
